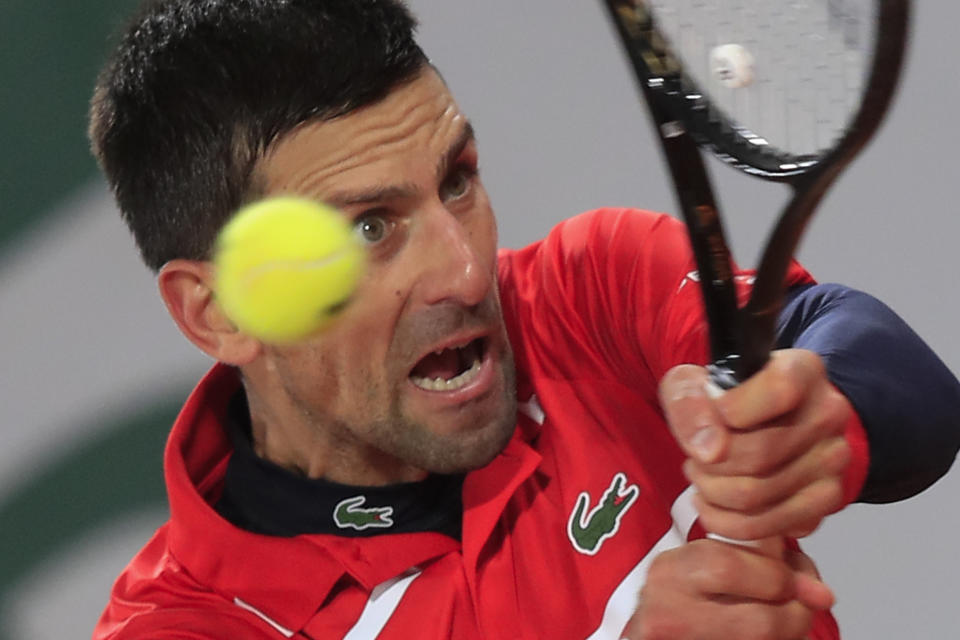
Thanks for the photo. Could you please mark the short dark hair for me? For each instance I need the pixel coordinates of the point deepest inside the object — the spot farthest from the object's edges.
(197, 90)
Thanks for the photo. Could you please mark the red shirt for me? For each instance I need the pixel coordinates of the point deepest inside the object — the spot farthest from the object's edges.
(558, 530)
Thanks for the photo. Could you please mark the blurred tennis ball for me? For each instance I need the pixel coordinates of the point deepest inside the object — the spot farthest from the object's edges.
(284, 267)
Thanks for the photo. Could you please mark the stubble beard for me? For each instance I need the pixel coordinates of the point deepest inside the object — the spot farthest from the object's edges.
(415, 443)
(393, 434)
(425, 442)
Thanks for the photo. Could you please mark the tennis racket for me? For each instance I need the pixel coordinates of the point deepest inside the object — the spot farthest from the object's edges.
(785, 90)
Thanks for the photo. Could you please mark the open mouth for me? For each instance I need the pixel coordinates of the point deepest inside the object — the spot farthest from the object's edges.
(451, 368)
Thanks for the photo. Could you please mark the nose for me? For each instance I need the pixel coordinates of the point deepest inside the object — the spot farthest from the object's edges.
(455, 267)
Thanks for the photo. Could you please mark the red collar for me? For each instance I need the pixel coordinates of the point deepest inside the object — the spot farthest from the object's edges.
(289, 578)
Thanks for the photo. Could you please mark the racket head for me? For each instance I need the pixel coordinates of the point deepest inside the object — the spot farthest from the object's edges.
(805, 85)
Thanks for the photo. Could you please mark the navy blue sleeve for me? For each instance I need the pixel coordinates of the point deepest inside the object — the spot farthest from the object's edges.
(906, 397)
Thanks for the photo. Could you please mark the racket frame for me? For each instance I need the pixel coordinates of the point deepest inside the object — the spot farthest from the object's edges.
(686, 122)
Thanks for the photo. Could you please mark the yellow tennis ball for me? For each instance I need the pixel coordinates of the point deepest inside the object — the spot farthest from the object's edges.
(284, 267)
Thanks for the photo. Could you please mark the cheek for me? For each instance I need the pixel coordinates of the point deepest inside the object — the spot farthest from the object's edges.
(331, 378)
(309, 375)
(358, 343)
(354, 349)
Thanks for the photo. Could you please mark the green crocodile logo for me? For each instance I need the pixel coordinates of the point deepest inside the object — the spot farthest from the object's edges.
(348, 514)
(588, 530)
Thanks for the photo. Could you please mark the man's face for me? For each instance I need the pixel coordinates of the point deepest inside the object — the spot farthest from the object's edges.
(417, 372)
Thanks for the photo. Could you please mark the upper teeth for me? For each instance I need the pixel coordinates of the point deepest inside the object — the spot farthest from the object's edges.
(456, 382)
(453, 346)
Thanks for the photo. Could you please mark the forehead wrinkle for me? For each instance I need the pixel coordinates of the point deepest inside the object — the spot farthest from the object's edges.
(311, 175)
(352, 159)
(376, 193)
(382, 134)
(386, 191)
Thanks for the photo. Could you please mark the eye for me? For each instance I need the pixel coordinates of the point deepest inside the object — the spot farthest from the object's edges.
(372, 228)
(458, 183)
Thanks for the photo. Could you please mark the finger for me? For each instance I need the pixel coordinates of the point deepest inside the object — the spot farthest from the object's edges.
(708, 590)
(805, 528)
(691, 414)
(812, 502)
(801, 563)
(712, 568)
(754, 620)
(761, 450)
(752, 493)
(671, 620)
(811, 591)
(719, 620)
(814, 594)
(776, 389)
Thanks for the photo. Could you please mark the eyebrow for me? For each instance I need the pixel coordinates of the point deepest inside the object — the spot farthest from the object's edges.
(466, 136)
(404, 189)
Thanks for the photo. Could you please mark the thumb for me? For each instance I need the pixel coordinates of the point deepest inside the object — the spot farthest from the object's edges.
(811, 589)
(693, 420)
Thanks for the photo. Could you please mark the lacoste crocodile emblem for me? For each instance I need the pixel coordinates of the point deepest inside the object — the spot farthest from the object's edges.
(588, 530)
(348, 514)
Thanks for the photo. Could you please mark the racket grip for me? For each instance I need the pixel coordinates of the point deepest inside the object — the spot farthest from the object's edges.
(723, 376)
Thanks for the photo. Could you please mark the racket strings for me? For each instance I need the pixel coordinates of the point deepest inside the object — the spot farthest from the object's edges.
(787, 74)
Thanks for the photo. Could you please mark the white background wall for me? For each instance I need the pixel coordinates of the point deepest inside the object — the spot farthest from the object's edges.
(561, 130)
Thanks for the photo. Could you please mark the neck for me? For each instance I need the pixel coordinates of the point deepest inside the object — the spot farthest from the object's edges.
(290, 436)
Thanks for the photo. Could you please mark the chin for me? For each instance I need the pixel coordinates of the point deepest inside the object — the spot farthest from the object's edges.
(465, 451)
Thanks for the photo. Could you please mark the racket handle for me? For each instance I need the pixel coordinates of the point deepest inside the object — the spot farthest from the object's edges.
(723, 376)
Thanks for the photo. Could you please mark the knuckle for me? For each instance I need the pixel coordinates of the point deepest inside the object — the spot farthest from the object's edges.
(805, 364)
(793, 372)
(838, 456)
(833, 495)
(821, 497)
(782, 380)
(656, 572)
(836, 410)
(812, 361)
(795, 365)
(663, 566)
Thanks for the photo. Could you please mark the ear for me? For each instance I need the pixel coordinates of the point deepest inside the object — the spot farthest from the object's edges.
(186, 287)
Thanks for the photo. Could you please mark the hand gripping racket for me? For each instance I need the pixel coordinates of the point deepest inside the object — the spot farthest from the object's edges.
(786, 90)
